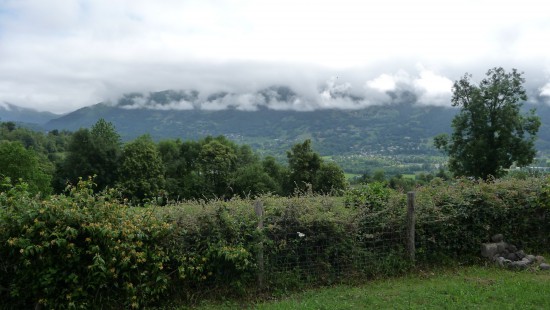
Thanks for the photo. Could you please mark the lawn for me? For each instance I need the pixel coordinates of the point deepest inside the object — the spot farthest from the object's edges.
(465, 288)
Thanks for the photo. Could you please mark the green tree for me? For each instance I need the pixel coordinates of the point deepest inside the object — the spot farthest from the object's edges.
(303, 163)
(489, 133)
(16, 162)
(106, 144)
(91, 152)
(217, 161)
(140, 172)
(330, 179)
(252, 180)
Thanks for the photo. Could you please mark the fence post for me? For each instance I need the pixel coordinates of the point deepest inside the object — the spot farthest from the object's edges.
(259, 208)
(410, 225)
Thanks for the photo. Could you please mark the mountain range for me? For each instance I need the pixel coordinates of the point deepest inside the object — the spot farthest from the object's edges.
(399, 127)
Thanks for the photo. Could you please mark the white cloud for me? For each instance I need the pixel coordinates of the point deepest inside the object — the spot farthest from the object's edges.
(433, 89)
(63, 54)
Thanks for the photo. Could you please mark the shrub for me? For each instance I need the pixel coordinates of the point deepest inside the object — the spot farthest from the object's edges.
(79, 250)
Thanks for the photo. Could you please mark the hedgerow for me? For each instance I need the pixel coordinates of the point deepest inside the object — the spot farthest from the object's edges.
(79, 250)
(86, 249)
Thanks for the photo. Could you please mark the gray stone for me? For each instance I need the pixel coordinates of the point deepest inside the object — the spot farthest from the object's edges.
(539, 259)
(512, 256)
(500, 261)
(544, 266)
(526, 260)
(497, 238)
(501, 246)
(530, 258)
(489, 250)
(520, 254)
(521, 265)
(512, 248)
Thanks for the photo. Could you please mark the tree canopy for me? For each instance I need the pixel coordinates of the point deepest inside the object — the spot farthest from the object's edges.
(490, 133)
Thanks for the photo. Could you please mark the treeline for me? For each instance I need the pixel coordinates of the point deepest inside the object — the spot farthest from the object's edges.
(142, 169)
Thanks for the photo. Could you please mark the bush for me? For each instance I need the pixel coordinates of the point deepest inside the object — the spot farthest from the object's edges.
(79, 251)
(86, 249)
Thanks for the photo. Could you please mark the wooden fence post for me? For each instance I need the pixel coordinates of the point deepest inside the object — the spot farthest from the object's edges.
(410, 226)
(259, 208)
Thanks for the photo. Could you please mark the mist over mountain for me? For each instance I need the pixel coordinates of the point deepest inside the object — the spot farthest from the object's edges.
(272, 119)
(14, 113)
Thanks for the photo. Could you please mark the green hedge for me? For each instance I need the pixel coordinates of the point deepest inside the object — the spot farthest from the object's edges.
(86, 249)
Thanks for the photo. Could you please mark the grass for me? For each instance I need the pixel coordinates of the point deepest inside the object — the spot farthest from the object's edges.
(465, 288)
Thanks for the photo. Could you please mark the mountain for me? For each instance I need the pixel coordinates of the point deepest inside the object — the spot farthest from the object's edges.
(400, 127)
(13, 113)
(387, 129)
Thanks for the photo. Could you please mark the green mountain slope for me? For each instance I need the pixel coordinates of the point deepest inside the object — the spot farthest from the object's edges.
(13, 113)
(400, 127)
(389, 129)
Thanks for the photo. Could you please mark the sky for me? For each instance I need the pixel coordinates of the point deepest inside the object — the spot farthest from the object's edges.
(60, 55)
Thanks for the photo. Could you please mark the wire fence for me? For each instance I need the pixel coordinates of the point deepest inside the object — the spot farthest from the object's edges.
(333, 251)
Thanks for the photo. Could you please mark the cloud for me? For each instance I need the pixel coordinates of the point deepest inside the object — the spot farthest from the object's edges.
(60, 55)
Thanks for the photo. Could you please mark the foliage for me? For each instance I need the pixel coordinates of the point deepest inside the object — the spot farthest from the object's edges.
(92, 152)
(140, 171)
(303, 163)
(330, 179)
(489, 133)
(79, 251)
(308, 170)
(373, 196)
(87, 249)
(17, 163)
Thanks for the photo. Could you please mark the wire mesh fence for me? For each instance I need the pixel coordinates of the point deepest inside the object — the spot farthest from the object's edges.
(328, 250)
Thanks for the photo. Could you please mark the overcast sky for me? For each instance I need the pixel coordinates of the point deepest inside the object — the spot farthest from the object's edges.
(59, 55)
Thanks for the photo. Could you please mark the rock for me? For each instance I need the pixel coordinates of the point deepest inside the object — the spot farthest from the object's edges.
(539, 259)
(501, 247)
(512, 256)
(530, 258)
(526, 260)
(512, 248)
(500, 261)
(497, 238)
(544, 266)
(521, 265)
(520, 254)
(489, 250)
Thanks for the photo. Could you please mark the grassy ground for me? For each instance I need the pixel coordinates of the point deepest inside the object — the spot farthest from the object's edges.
(466, 288)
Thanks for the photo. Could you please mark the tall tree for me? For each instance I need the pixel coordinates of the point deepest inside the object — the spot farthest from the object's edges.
(16, 162)
(303, 163)
(140, 170)
(330, 179)
(92, 152)
(217, 161)
(490, 134)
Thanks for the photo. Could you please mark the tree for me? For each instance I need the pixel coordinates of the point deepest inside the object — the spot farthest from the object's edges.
(140, 170)
(92, 152)
(489, 133)
(216, 161)
(303, 163)
(16, 163)
(330, 179)
(252, 180)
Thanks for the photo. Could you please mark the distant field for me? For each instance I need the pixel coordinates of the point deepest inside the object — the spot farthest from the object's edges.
(465, 288)
(350, 176)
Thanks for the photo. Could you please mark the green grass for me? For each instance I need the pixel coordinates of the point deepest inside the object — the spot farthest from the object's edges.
(466, 288)
(351, 175)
